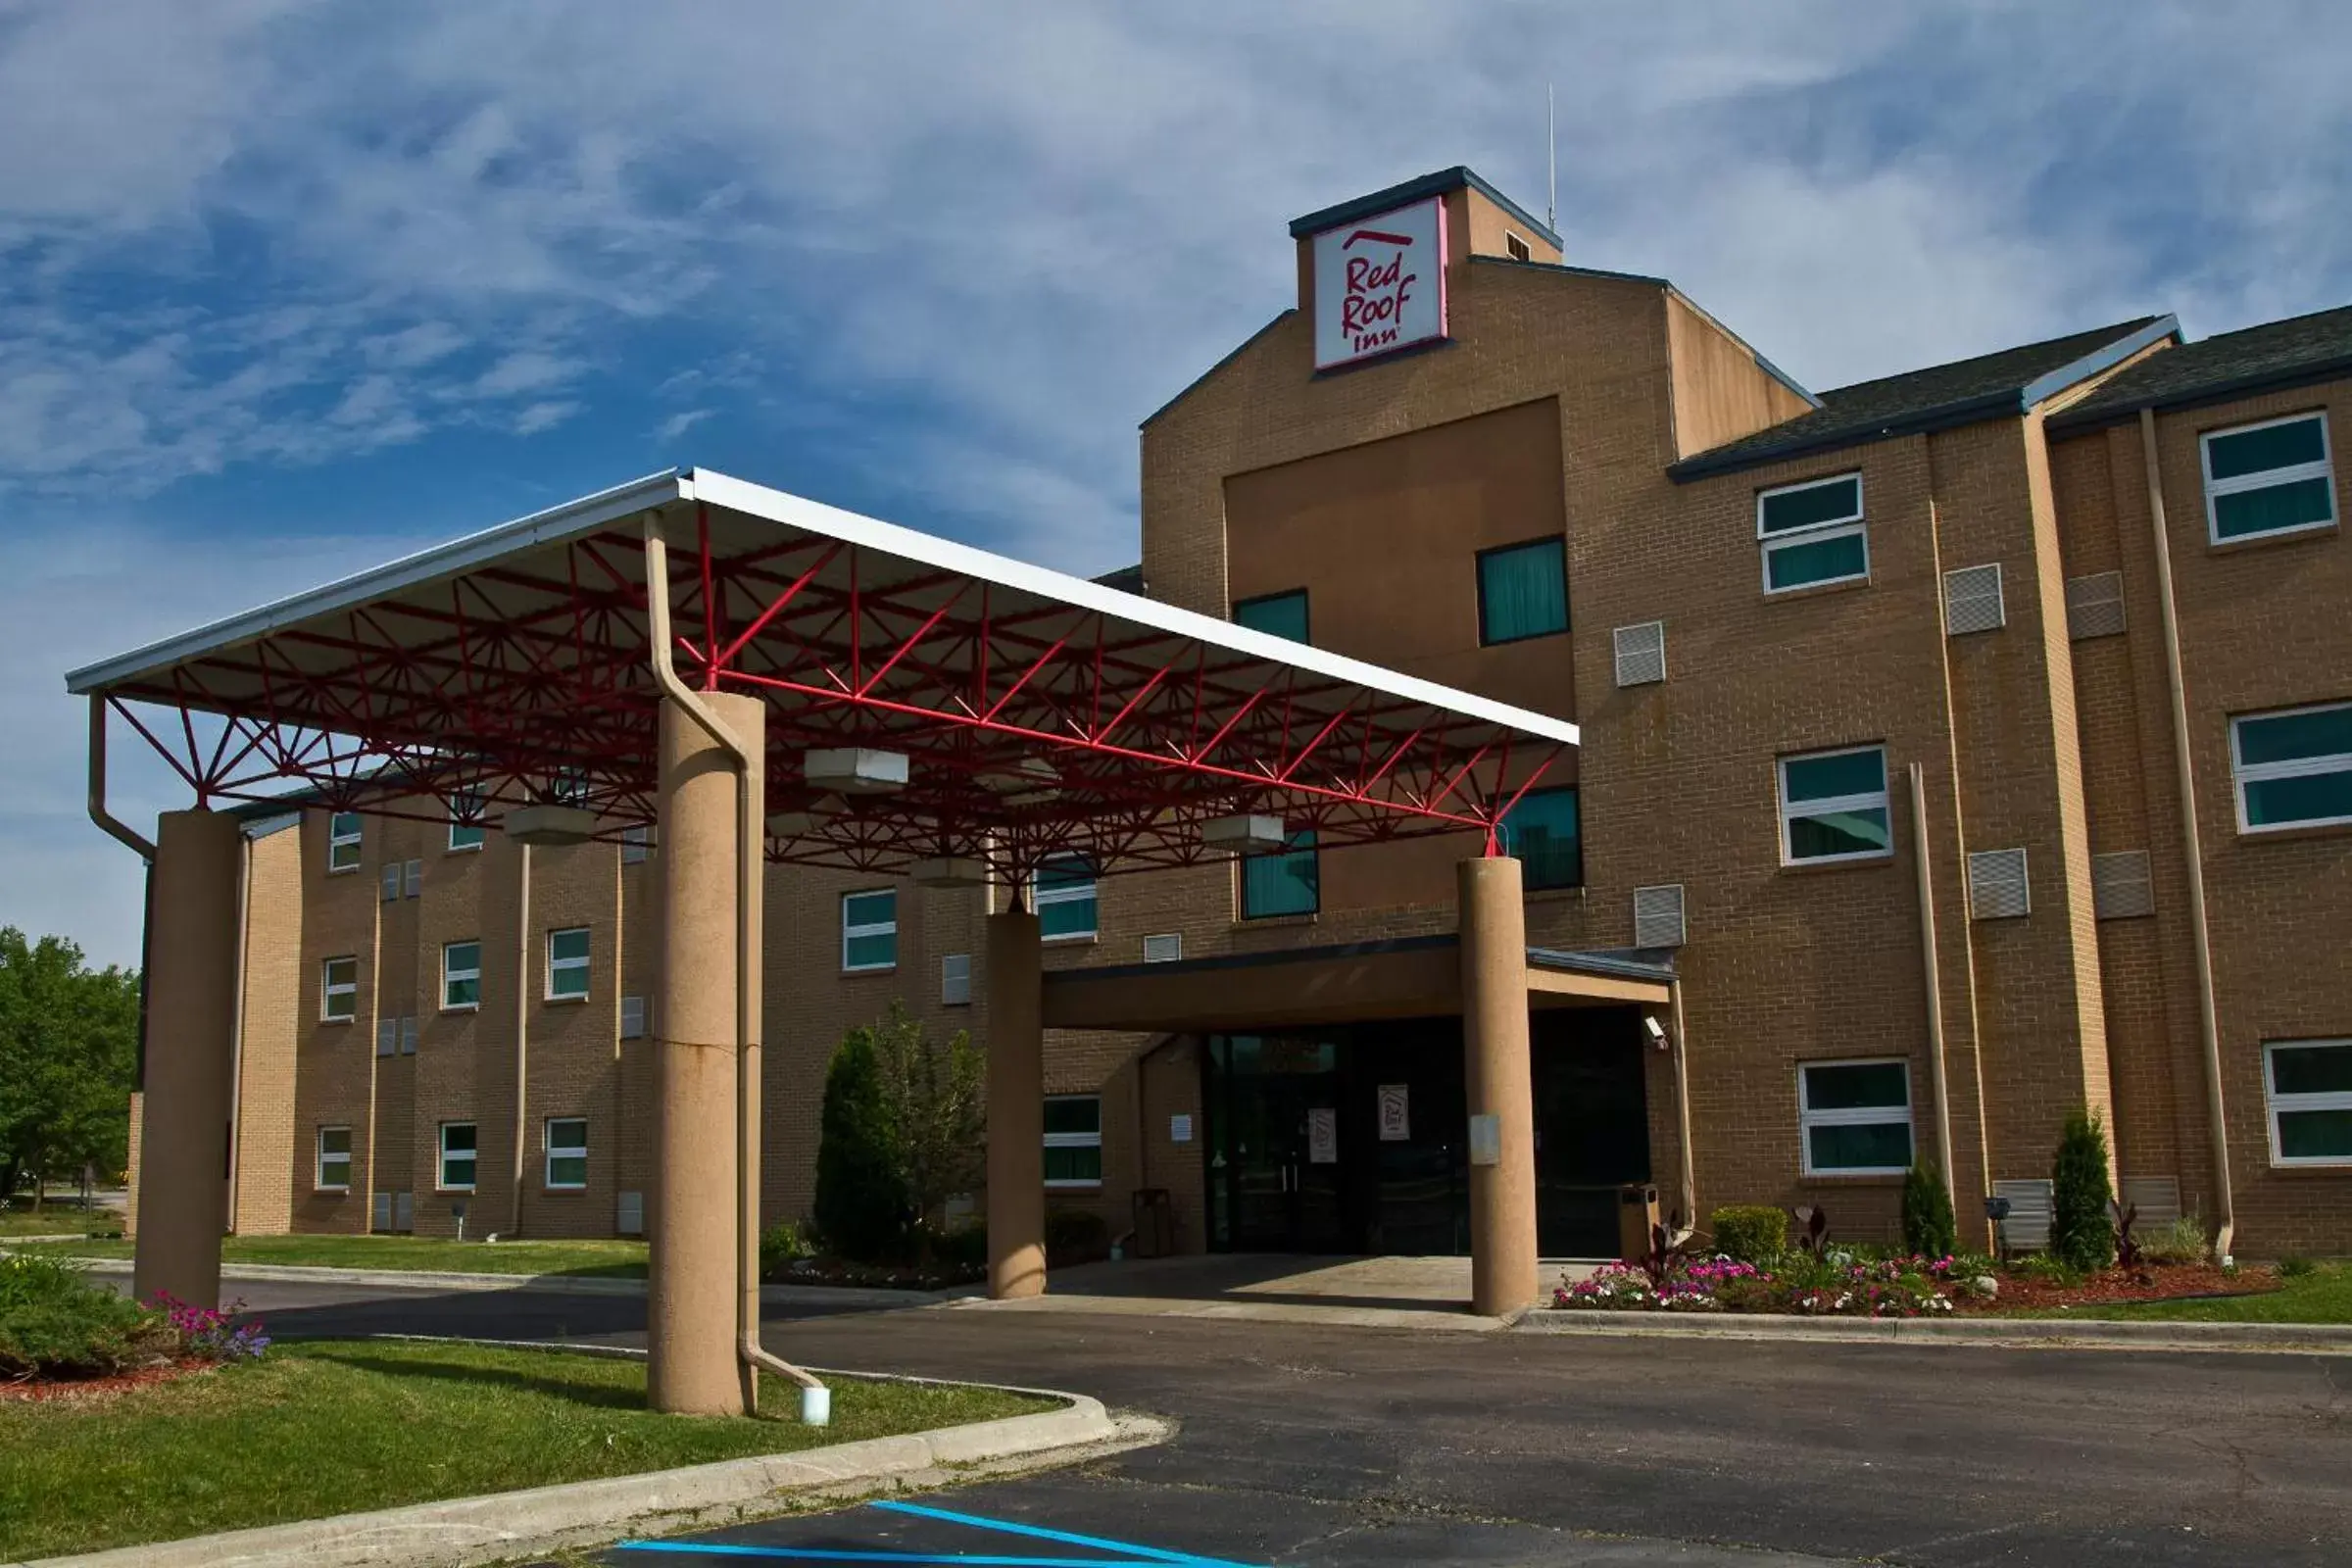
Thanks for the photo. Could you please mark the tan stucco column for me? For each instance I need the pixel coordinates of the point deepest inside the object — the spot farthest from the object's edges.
(690, 1305)
(1502, 1191)
(1016, 1109)
(191, 1056)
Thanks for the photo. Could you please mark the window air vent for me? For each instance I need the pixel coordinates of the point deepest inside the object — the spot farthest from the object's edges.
(2028, 1227)
(629, 1215)
(1971, 600)
(1996, 884)
(2094, 605)
(2120, 887)
(632, 1017)
(1166, 948)
(956, 980)
(381, 1220)
(1658, 916)
(2157, 1201)
(1642, 654)
(387, 1037)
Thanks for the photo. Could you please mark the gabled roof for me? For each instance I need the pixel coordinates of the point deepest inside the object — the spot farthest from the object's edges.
(2301, 348)
(1938, 398)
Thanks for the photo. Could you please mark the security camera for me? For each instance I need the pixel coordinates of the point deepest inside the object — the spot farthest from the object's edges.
(1657, 1030)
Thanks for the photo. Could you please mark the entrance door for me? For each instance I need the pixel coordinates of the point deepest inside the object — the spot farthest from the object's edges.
(1591, 1125)
(1275, 1145)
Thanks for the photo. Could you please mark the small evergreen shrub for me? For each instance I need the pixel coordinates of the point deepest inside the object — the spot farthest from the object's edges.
(1749, 1234)
(1928, 1229)
(2081, 1233)
(963, 1247)
(781, 1245)
(861, 1206)
(54, 1323)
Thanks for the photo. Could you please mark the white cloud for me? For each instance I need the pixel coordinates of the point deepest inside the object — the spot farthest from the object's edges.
(539, 417)
(678, 423)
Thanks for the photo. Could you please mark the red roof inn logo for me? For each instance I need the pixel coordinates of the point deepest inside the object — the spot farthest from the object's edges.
(1379, 284)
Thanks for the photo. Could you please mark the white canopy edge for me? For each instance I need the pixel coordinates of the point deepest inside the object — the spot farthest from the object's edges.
(592, 512)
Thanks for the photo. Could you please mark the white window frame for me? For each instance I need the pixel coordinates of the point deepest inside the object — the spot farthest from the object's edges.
(329, 991)
(889, 928)
(582, 963)
(636, 845)
(1807, 1118)
(441, 1181)
(1857, 524)
(450, 975)
(2295, 473)
(2242, 773)
(2274, 1102)
(318, 1163)
(337, 842)
(1833, 803)
(555, 1151)
(956, 980)
(466, 803)
(1089, 891)
(1093, 1141)
(642, 1029)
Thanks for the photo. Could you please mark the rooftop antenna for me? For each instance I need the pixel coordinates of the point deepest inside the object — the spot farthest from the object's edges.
(1552, 155)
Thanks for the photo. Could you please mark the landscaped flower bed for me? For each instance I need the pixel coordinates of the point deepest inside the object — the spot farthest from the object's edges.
(60, 1331)
(1863, 1282)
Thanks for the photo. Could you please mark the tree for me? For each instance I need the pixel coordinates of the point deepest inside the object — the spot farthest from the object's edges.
(860, 1206)
(1928, 1229)
(2081, 1235)
(934, 1094)
(68, 1059)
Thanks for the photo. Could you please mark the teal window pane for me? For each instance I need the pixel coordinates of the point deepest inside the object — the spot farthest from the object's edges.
(1857, 832)
(870, 908)
(464, 994)
(2297, 505)
(1287, 882)
(878, 951)
(2315, 1135)
(1543, 833)
(458, 1137)
(457, 1170)
(335, 1141)
(568, 1170)
(1823, 778)
(571, 982)
(1523, 592)
(2295, 737)
(1835, 501)
(2276, 446)
(1075, 1164)
(2313, 797)
(2311, 1069)
(466, 836)
(1857, 1086)
(1800, 565)
(1865, 1146)
(1074, 1113)
(1066, 907)
(567, 944)
(1070, 917)
(1275, 614)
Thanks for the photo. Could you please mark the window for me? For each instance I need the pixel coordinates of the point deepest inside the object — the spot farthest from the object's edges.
(1063, 892)
(457, 1157)
(569, 786)
(466, 830)
(1288, 881)
(1542, 831)
(1275, 614)
(461, 975)
(2271, 478)
(391, 880)
(2309, 1084)
(413, 879)
(956, 980)
(339, 990)
(343, 842)
(632, 1017)
(636, 843)
(2295, 769)
(1855, 1117)
(334, 1159)
(1834, 807)
(1523, 590)
(869, 930)
(1074, 1141)
(567, 964)
(1812, 533)
(567, 1152)
(387, 1037)
(1516, 248)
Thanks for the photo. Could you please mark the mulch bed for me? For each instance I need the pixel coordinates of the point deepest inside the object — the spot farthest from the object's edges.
(2153, 1282)
(873, 1276)
(40, 1390)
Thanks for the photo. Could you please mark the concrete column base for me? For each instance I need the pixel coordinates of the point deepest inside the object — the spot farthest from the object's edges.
(1016, 1109)
(1501, 1085)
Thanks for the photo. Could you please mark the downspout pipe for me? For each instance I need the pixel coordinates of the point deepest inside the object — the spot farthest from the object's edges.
(236, 1027)
(522, 1036)
(1681, 1111)
(2191, 850)
(817, 1400)
(1934, 975)
(114, 825)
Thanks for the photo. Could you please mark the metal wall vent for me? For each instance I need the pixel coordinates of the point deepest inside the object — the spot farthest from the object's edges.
(1642, 654)
(2094, 605)
(628, 1217)
(1996, 884)
(632, 1017)
(1658, 916)
(2120, 885)
(1166, 948)
(1971, 600)
(2156, 1199)
(2028, 1227)
(956, 980)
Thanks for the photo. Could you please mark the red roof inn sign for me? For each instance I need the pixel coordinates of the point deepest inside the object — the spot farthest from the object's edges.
(1379, 284)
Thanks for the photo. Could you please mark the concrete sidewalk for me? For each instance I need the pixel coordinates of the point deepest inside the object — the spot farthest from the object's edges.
(842, 1296)
(2015, 1333)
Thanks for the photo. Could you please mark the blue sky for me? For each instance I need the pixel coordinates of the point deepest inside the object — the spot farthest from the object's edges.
(286, 289)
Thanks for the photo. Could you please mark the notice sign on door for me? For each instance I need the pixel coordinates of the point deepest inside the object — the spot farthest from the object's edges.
(1379, 284)
(1396, 1114)
(1322, 1136)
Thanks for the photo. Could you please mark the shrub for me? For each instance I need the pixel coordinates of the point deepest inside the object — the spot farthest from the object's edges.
(2051, 1270)
(1928, 1229)
(2181, 1241)
(1749, 1232)
(860, 1207)
(781, 1243)
(965, 1246)
(54, 1323)
(2082, 1236)
(2297, 1268)
(1075, 1236)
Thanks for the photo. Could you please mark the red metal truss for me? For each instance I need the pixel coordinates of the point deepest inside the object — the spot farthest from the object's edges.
(1032, 727)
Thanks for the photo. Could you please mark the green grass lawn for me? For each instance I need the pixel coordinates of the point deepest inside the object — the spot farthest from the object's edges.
(342, 1426)
(58, 1219)
(2323, 1296)
(613, 1259)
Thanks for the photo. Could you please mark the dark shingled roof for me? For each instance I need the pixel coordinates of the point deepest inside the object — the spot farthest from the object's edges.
(1127, 579)
(1936, 399)
(2300, 349)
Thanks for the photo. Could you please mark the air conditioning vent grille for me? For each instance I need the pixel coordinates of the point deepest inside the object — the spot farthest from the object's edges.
(1658, 916)
(1997, 889)
(2120, 885)
(1642, 654)
(1971, 600)
(1165, 948)
(2094, 605)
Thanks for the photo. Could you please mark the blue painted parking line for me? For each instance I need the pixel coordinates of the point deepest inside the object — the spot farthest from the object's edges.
(721, 1548)
(1129, 1554)
(1064, 1537)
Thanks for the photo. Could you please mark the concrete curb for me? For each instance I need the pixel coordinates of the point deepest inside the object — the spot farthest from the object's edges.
(506, 1525)
(2271, 1339)
(853, 1295)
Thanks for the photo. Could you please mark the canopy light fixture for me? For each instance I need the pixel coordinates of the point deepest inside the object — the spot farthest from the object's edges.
(855, 771)
(949, 872)
(797, 824)
(550, 824)
(1249, 834)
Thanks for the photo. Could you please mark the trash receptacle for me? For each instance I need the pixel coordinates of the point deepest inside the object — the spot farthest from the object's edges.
(1637, 1219)
(1154, 1213)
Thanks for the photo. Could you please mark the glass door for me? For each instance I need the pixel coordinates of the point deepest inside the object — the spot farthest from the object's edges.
(1275, 1145)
